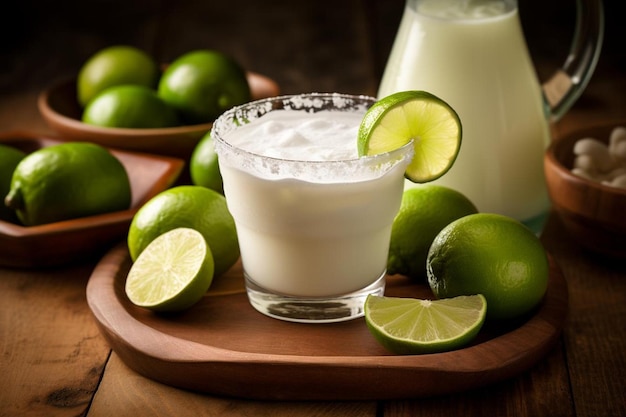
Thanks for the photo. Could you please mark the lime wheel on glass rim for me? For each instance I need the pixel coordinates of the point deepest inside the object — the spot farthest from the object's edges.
(418, 116)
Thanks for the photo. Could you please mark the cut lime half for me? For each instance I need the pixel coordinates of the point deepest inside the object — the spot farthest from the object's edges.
(172, 273)
(418, 116)
(413, 326)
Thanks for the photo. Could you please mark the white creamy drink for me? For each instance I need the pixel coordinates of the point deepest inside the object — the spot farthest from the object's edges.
(313, 219)
(473, 55)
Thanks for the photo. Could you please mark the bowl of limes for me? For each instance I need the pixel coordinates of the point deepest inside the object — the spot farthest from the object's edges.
(586, 177)
(121, 98)
(67, 201)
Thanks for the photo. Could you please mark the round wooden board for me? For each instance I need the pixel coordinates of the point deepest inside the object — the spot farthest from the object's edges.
(223, 346)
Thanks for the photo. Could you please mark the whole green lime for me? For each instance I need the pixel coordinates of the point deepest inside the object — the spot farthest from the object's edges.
(424, 211)
(67, 181)
(202, 84)
(9, 158)
(115, 65)
(492, 255)
(130, 106)
(204, 167)
(190, 206)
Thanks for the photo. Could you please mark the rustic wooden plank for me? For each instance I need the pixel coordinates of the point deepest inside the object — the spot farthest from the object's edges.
(542, 391)
(595, 338)
(51, 351)
(123, 392)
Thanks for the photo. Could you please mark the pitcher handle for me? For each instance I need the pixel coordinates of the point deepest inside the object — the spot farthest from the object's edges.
(563, 89)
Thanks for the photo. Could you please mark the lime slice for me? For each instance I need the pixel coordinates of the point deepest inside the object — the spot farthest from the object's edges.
(432, 125)
(410, 326)
(172, 273)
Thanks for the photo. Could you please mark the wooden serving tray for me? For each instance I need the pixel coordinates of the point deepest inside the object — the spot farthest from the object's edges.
(223, 346)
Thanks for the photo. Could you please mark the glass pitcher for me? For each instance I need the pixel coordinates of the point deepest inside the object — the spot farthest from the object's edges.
(472, 54)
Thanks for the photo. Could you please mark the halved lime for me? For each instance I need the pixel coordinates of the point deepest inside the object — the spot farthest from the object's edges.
(411, 326)
(432, 125)
(172, 273)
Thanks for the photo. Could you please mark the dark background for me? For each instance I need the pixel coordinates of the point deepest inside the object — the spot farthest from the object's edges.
(44, 40)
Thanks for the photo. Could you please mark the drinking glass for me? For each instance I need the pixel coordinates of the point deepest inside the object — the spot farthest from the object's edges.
(314, 234)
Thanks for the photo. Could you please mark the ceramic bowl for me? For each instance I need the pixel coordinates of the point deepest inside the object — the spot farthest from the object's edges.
(594, 214)
(66, 241)
(60, 109)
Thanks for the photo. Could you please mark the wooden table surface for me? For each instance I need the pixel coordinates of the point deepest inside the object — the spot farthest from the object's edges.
(54, 361)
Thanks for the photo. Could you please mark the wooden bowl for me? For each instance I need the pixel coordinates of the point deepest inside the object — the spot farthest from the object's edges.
(66, 241)
(594, 214)
(60, 109)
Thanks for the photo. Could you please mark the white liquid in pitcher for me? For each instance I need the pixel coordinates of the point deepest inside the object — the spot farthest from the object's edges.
(478, 62)
(307, 228)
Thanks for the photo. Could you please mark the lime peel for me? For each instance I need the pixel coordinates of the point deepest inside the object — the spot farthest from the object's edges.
(416, 326)
(494, 255)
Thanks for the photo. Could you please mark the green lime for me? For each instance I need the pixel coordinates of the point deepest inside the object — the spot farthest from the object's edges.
(130, 106)
(9, 158)
(493, 255)
(424, 211)
(432, 125)
(203, 165)
(67, 181)
(202, 84)
(115, 65)
(410, 326)
(173, 273)
(191, 206)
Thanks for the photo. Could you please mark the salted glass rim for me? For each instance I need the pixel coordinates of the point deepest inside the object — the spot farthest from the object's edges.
(223, 121)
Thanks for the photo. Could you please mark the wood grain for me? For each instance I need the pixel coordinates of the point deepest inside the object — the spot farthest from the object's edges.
(129, 393)
(595, 336)
(52, 352)
(223, 342)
